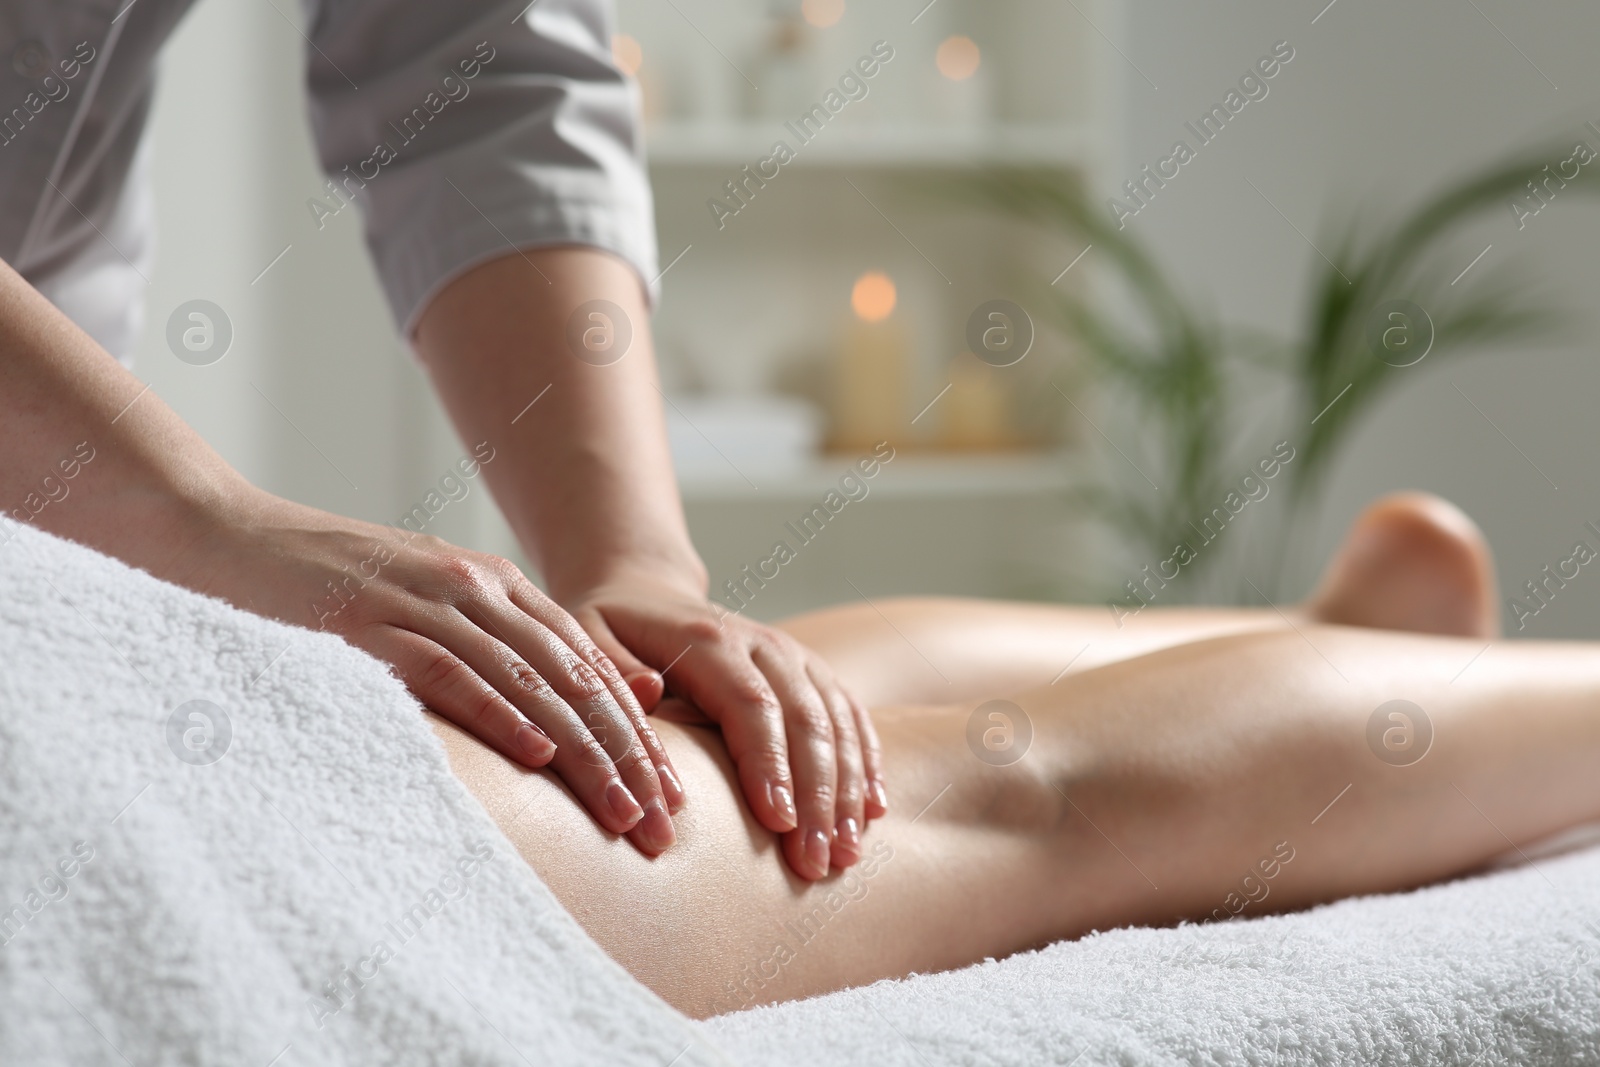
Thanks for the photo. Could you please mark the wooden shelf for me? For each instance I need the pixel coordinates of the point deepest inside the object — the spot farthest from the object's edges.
(733, 144)
(909, 476)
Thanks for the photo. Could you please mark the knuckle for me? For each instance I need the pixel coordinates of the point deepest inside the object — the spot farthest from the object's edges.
(844, 725)
(770, 642)
(752, 691)
(702, 631)
(850, 762)
(811, 724)
(579, 679)
(633, 760)
(346, 610)
(849, 749)
(464, 576)
(593, 752)
(820, 795)
(528, 681)
(501, 567)
(597, 724)
(584, 646)
(441, 670)
(770, 758)
(480, 708)
(649, 737)
(595, 659)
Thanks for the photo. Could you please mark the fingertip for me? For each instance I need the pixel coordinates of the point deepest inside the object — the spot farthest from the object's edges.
(671, 788)
(770, 799)
(532, 745)
(624, 808)
(648, 687)
(807, 854)
(846, 842)
(817, 852)
(877, 802)
(780, 799)
(655, 833)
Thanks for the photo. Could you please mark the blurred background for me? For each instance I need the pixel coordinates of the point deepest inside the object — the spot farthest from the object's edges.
(1162, 359)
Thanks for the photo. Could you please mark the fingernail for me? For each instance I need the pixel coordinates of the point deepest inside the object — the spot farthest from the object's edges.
(817, 851)
(655, 829)
(783, 804)
(849, 836)
(879, 797)
(644, 685)
(623, 805)
(671, 786)
(534, 745)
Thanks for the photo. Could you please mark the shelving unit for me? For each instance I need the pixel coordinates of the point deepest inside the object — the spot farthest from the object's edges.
(691, 143)
(961, 477)
(759, 302)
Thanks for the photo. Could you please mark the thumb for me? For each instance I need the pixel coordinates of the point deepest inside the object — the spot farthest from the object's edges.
(644, 681)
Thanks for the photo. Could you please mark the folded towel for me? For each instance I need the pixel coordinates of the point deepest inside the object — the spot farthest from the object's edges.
(226, 840)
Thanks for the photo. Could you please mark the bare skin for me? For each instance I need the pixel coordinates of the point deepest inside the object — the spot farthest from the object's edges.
(1199, 749)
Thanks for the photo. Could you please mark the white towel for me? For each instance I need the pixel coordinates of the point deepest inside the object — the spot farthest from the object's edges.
(157, 909)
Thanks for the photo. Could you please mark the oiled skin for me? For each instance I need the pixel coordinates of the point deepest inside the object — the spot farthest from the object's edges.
(1152, 784)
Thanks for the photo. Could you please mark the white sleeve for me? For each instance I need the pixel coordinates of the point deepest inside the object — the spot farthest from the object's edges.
(465, 130)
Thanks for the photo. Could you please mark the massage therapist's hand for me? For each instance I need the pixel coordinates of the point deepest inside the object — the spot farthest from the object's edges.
(588, 487)
(806, 750)
(466, 632)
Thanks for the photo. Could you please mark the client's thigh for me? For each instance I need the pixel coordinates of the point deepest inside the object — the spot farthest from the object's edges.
(911, 650)
(718, 923)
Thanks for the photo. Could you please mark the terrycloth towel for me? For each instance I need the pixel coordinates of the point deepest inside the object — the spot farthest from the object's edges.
(285, 873)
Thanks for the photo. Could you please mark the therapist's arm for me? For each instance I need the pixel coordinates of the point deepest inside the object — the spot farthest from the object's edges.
(590, 493)
(88, 452)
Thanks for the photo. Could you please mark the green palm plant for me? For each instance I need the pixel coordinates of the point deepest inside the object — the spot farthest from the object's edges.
(1179, 367)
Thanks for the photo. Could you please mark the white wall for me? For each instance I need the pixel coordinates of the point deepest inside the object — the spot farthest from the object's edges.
(1382, 103)
(208, 161)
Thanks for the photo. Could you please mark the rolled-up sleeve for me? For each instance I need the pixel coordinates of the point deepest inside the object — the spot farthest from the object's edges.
(469, 129)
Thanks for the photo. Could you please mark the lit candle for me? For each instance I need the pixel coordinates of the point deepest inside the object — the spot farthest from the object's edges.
(961, 93)
(870, 378)
(822, 13)
(957, 58)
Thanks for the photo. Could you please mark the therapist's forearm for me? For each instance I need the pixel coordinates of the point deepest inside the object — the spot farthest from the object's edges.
(90, 453)
(590, 493)
(86, 452)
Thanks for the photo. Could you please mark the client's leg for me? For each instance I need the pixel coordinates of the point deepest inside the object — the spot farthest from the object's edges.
(1410, 561)
(1153, 787)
